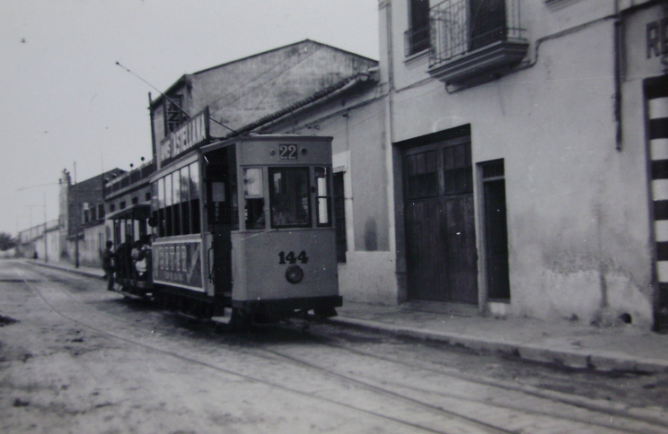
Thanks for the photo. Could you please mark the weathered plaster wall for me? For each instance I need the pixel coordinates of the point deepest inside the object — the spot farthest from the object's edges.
(90, 247)
(577, 208)
(246, 90)
(52, 246)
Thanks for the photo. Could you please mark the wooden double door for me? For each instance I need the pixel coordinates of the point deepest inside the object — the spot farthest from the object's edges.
(440, 227)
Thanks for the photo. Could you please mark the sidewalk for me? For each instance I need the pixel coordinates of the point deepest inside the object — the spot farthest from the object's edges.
(623, 347)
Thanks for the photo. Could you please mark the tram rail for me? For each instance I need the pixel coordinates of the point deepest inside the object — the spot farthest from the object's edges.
(599, 417)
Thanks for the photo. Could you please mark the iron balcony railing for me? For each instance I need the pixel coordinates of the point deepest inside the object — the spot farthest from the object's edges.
(459, 27)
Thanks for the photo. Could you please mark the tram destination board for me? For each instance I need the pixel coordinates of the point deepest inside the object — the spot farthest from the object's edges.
(178, 263)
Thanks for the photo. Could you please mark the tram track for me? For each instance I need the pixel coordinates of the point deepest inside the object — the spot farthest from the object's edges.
(481, 427)
(609, 408)
(623, 416)
(652, 425)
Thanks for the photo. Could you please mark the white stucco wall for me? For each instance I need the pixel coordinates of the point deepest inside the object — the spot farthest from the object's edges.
(577, 208)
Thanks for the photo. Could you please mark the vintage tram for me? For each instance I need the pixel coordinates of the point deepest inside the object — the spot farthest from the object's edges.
(241, 227)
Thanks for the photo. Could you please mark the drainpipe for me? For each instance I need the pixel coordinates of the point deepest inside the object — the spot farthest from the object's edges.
(389, 153)
(618, 47)
(77, 219)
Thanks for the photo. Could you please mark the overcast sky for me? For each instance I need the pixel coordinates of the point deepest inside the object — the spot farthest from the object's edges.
(64, 100)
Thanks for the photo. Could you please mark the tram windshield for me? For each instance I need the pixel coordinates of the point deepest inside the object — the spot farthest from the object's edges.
(289, 193)
(254, 197)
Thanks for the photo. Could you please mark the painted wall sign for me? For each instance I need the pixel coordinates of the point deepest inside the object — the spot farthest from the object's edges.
(657, 39)
(178, 263)
(189, 135)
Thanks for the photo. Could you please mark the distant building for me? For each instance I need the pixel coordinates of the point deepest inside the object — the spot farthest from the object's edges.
(41, 241)
(82, 216)
(237, 93)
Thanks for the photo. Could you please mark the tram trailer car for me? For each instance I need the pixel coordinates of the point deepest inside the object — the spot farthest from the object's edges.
(246, 224)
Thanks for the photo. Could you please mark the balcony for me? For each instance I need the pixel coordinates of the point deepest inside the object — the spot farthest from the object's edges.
(474, 39)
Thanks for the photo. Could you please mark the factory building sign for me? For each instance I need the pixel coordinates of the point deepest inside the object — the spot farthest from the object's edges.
(186, 137)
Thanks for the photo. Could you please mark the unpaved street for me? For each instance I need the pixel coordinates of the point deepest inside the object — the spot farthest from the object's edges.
(76, 358)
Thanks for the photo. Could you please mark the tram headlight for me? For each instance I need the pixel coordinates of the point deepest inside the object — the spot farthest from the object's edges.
(294, 274)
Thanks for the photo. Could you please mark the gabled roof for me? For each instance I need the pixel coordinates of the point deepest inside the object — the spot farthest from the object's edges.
(184, 78)
(316, 97)
(283, 48)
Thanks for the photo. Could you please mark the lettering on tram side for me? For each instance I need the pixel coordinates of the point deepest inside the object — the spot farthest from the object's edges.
(178, 263)
(186, 137)
(290, 258)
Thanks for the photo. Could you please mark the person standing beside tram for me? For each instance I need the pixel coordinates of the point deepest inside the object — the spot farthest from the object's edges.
(108, 264)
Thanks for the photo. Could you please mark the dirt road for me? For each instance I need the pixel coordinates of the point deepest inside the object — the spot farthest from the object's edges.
(76, 358)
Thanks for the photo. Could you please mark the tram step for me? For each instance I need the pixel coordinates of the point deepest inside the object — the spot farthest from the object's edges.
(225, 319)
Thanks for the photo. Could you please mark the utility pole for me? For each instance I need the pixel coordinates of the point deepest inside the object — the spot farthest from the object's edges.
(76, 219)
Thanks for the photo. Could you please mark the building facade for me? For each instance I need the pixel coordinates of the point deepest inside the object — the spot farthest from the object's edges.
(82, 217)
(521, 171)
(237, 93)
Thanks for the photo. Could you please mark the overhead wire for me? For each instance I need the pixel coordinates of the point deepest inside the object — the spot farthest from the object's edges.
(174, 103)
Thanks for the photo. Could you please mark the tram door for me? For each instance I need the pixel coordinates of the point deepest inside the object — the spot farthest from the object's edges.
(222, 217)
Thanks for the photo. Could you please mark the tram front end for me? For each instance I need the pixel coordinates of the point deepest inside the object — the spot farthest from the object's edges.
(269, 205)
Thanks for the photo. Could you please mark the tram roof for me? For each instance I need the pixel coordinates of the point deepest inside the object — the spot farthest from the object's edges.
(260, 137)
(143, 209)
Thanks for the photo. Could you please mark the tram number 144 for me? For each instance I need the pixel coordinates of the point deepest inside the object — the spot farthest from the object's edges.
(290, 258)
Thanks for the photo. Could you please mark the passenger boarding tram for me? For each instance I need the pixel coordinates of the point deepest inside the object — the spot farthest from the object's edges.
(246, 224)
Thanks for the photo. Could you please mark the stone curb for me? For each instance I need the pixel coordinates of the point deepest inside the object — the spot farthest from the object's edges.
(574, 359)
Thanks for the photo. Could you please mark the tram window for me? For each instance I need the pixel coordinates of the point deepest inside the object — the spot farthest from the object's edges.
(234, 187)
(155, 206)
(129, 231)
(162, 229)
(289, 194)
(324, 199)
(184, 185)
(194, 197)
(176, 208)
(169, 220)
(217, 205)
(254, 198)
